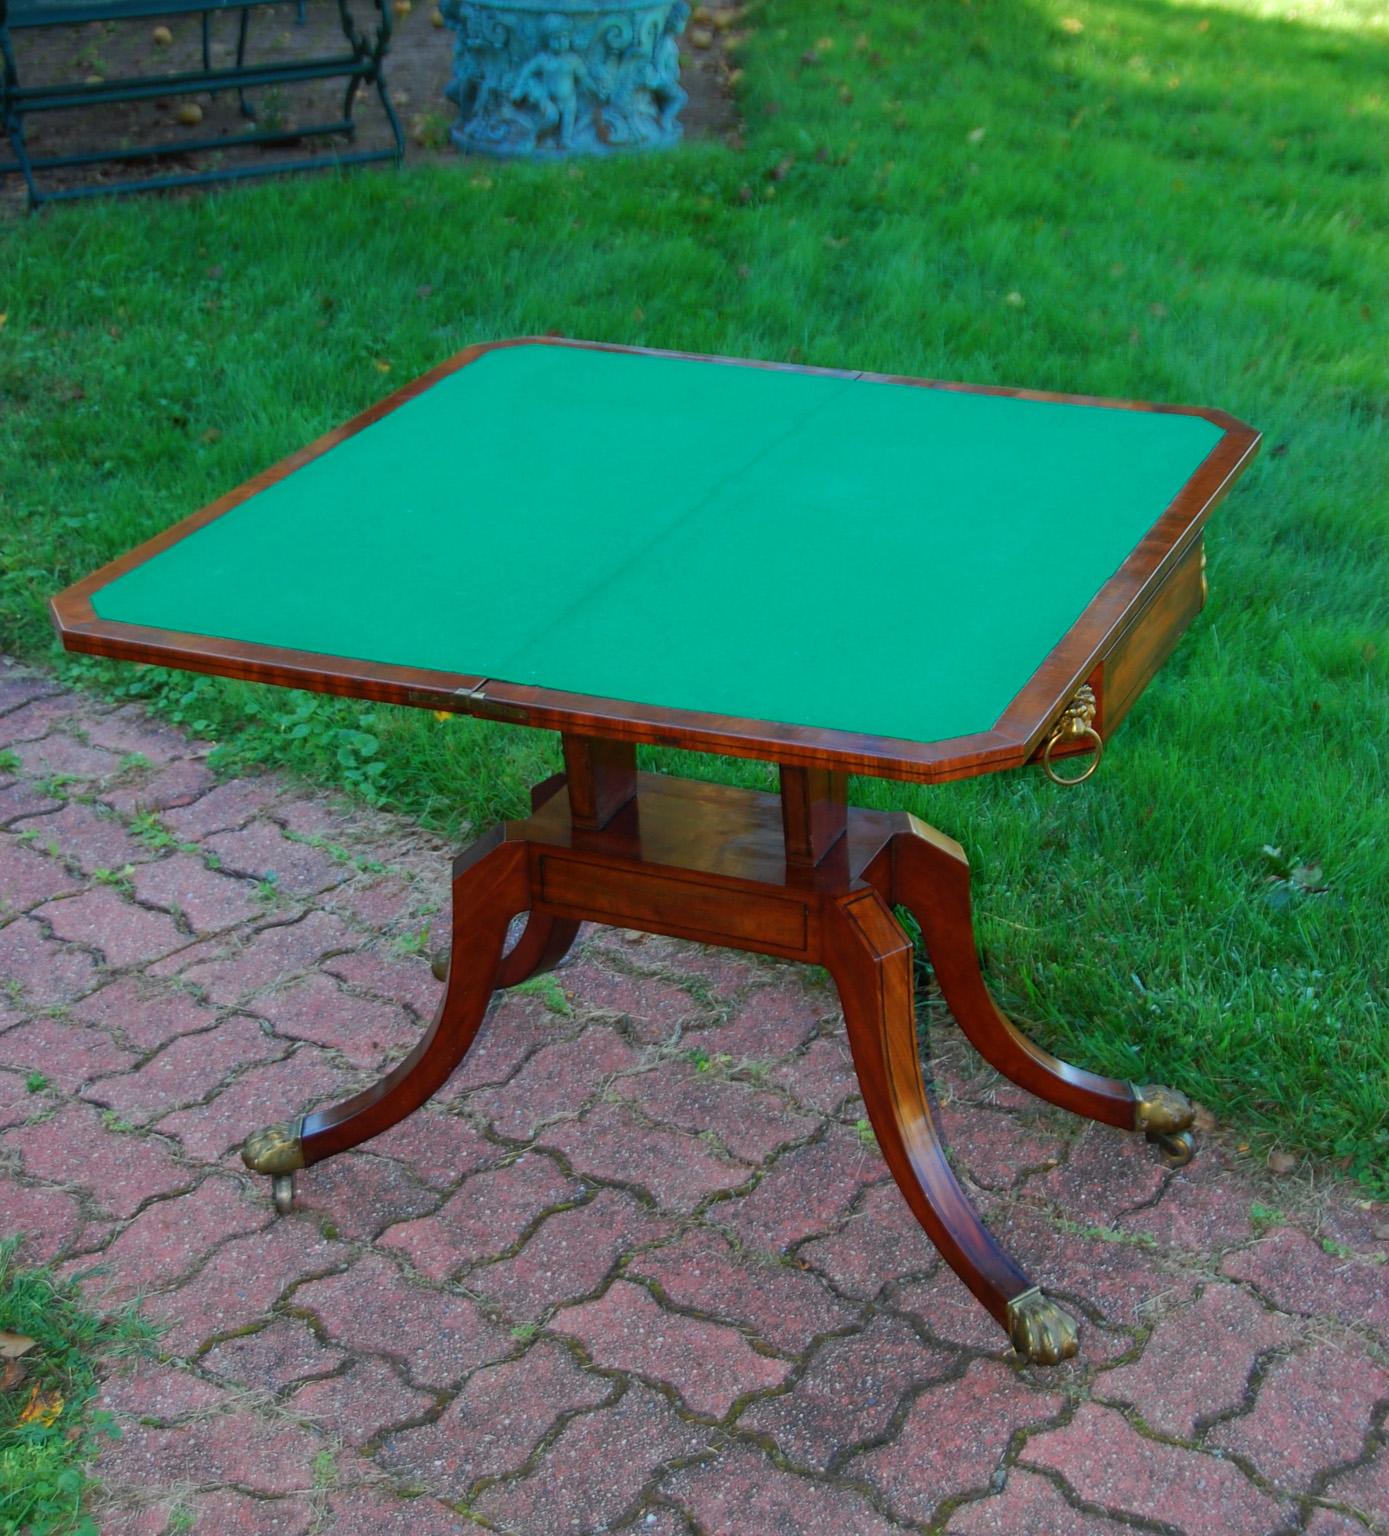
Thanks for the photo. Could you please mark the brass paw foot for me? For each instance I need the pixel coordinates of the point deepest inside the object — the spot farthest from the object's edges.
(1161, 1111)
(1177, 1149)
(1041, 1332)
(279, 1151)
(440, 965)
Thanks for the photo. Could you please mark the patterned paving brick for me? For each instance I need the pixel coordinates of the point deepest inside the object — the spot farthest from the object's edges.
(439, 1148)
(1333, 1522)
(780, 1302)
(767, 1025)
(953, 1440)
(709, 1365)
(488, 1214)
(631, 1442)
(57, 755)
(1109, 1464)
(749, 1123)
(120, 1171)
(258, 1454)
(1365, 1488)
(992, 1149)
(286, 1350)
(1198, 1361)
(362, 1403)
(403, 979)
(495, 1423)
(569, 1255)
(880, 1241)
(822, 1077)
(34, 719)
(676, 1170)
(849, 1393)
(20, 686)
(448, 1397)
(87, 838)
(358, 1196)
(946, 1308)
(554, 1083)
(48, 1219)
(1029, 1505)
(1107, 1173)
(103, 920)
(367, 1512)
(45, 970)
(261, 851)
(262, 1095)
(68, 1055)
(436, 1335)
(185, 1071)
(153, 1390)
(742, 1493)
(274, 955)
(156, 792)
(652, 1010)
(363, 1032)
(1312, 1415)
(241, 1282)
(22, 797)
(1297, 1274)
(227, 1513)
(231, 804)
(169, 1237)
(1123, 1282)
(1198, 1211)
(806, 1192)
(208, 901)
(145, 1014)
(131, 730)
(29, 877)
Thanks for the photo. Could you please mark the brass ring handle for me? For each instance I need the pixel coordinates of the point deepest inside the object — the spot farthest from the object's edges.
(1085, 733)
(1077, 723)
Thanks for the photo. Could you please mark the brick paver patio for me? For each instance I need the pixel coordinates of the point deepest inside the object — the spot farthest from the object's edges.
(639, 1268)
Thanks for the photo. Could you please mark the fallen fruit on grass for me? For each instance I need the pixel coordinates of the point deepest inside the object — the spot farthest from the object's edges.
(402, 7)
(190, 114)
(162, 37)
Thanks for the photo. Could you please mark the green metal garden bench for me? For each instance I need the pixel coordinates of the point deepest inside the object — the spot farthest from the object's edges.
(359, 63)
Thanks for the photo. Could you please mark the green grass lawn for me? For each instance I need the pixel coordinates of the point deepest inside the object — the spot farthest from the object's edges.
(1168, 201)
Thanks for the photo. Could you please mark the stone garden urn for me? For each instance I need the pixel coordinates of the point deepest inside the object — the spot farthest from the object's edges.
(548, 78)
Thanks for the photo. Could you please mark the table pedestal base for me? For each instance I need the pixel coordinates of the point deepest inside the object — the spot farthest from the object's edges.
(801, 877)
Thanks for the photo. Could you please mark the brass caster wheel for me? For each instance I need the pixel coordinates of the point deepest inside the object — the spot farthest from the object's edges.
(282, 1192)
(440, 966)
(1041, 1332)
(1177, 1147)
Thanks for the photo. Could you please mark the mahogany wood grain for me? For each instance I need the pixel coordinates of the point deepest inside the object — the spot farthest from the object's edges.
(928, 874)
(814, 812)
(870, 959)
(489, 889)
(602, 778)
(710, 862)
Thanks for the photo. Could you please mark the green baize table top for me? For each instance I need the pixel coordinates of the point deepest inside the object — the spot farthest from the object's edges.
(829, 551)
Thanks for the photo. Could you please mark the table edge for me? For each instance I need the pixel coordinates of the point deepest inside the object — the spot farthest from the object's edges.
(1012, 740)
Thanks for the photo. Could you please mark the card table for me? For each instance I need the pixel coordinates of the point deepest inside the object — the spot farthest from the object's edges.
(844, 573)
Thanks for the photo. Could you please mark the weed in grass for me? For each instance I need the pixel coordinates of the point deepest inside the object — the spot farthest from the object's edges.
(36, 1082)
(9, 761)
(549, 991)
(49, 1430)
(1183, 199)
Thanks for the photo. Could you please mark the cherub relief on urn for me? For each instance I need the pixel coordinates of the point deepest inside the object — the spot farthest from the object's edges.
(548, 78)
